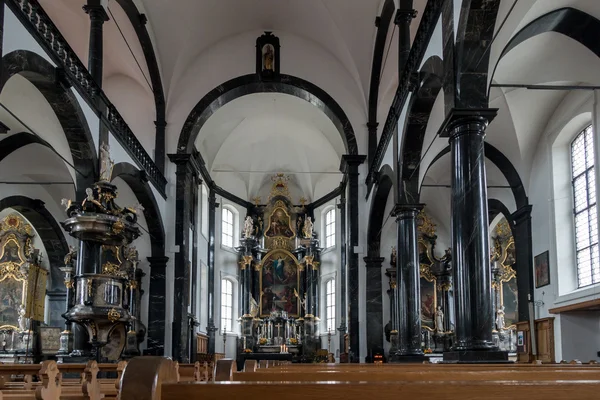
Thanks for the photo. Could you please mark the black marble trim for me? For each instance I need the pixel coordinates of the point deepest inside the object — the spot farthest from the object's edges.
(376, 216)
(328, 197)
(49, 231)
(138, 21)
(138, 182)
(568, 21)
(42, 75)
(431, 15)
(250, 84)
(18, 140)
(387, 14)
(505, 166)
(415, 126)
(474, 38)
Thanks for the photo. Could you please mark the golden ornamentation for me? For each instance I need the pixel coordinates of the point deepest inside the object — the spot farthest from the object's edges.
(393, 285)
(303, 201)
(310, 262)
(113, 315)
(503, 228)
(92, 325)
(111, 269)
(132, 284)
(69, 283)
(446, 286)
(280, 186)
(118, 227)
(14, 222)
(256, 200)
(424, 224)
(246, 262)
(425, 272)
(90, 286)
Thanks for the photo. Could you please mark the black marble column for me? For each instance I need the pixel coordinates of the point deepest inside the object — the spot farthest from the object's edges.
(374, 307)
(470, 240)
(211, 328)
(349, 166)
(159, 142)
(343, 328)
(187, 176)
(392, 293)
(372, 128)
(98, 17)
(524, 258)
(1, 31)
(404, 16)
(157, 306)
(408, 299)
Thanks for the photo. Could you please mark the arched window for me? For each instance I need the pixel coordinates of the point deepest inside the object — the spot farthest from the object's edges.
(584, 208)
(227, 228)
(330, 305)
(226, 305)
(330, 228)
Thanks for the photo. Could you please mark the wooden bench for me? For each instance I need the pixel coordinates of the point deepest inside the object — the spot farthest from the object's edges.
(448, 382)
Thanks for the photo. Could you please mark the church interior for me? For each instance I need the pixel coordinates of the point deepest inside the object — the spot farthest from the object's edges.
(390, 196)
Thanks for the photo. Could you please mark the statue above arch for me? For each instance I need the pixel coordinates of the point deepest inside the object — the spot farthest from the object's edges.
(267, 56)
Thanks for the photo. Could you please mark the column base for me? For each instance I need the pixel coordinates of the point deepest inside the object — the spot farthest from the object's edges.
(476, 357)
(406, 359)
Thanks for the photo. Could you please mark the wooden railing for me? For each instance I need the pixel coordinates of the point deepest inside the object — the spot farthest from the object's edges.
(38, 23)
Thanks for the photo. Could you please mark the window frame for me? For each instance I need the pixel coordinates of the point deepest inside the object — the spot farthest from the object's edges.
(204, 211)
(588, 174)
(226, 323)
(330, 307)
(330, 225)
(223, 223)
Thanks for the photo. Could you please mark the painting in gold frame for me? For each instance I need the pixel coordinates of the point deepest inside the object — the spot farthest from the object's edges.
(13, 286)
(428, 286)
(279, 224)
(279, 279)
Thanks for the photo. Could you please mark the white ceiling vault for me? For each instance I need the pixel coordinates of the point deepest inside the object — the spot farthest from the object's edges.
(250, 138)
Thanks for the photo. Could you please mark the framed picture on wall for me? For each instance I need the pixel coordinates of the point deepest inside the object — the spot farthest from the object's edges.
(542, 269)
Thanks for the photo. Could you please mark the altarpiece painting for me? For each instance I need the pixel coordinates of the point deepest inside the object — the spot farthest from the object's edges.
(279, 283)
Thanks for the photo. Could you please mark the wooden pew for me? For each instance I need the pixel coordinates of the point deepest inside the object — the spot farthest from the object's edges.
(450, 383)
(48, 389)
(197, 372)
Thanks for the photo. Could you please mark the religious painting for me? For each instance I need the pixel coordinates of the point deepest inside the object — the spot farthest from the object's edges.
(428, 303)
(35, 305)
(279, 283)
(510, 302)
(542, 269)
(11, 252)
(279, 224)
(11, 298)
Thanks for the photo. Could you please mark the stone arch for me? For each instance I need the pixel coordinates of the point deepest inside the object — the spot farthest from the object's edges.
(46, 78)
(49, 231)
(568, 21)
(18, 140)
(250, 84)
(385, 185)
(508, 171)
(415, 126)
(138, 182)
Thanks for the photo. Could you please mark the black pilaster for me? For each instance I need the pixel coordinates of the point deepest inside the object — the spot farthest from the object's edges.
(404, 16)
(524, 258)
(343, 328)
(157, 306)
(349, 166)
(374, 307)
(470, 240)
(159, 143)
(98, 17)
(408, 299)
(372, 128)
(211, 328)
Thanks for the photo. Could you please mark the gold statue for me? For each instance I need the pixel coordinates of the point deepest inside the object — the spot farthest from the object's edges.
(268, 58)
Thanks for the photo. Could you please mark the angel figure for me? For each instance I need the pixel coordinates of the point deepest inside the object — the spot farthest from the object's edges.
(308, 228)
(500, 318)
(106, 164)
(302, 301)
(22, 319)
(253, 307)
(66, 203)
(439, 320)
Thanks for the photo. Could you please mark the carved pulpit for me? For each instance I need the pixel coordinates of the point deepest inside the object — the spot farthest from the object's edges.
(22, 286)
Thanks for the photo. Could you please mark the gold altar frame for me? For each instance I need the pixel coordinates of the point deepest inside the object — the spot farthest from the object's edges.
(280, 205)
(425, 273)
(299, 269)
(507, 274)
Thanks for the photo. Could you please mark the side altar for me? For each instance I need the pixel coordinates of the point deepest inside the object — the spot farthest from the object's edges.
(279, 257)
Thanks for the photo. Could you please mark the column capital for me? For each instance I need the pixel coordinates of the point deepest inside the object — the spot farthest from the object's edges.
(463, 120)
(158, 262)
(522, 214)
(188, 162)
(350, 161)
(96, 11)
(401, 211)
(404, 15)
(372, 125)
(373, 262)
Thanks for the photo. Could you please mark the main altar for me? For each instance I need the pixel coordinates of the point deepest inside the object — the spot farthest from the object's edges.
(279, 257)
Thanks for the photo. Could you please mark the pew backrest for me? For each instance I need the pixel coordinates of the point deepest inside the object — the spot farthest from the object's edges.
(250, 366)
(143, 378)
(223, 370)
